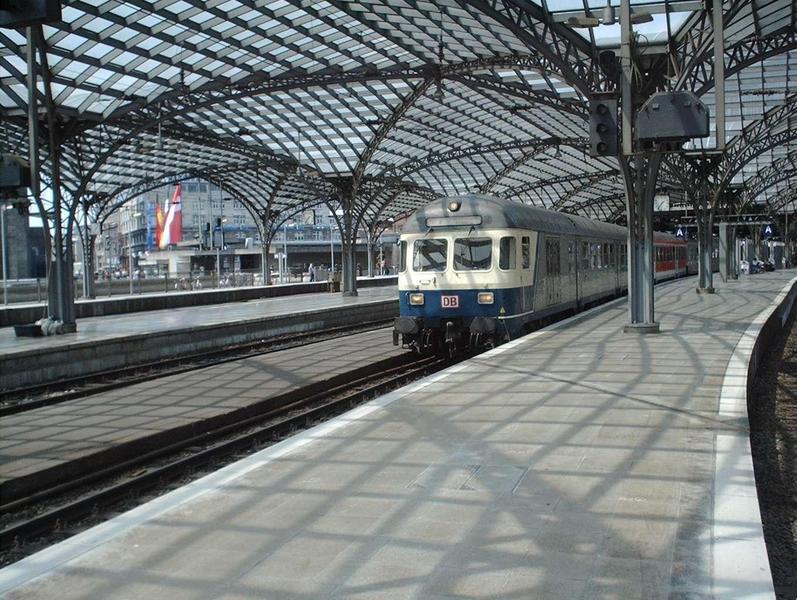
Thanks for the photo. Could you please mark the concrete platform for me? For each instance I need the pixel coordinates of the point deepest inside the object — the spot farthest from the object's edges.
(22, 313)
(57, 443)
(103, 343)
(575, 463)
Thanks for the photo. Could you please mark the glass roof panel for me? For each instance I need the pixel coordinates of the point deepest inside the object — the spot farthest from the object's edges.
(302, 79)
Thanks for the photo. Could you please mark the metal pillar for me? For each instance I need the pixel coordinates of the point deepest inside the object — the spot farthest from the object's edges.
(348, 258)
(4, 250)
(60, 290)
(727, 252)
(370, 246)
(640, 188)
(264, 241)
(705, 227)
(130, 255)
(627, 131)
(719, 74)
(88, 265)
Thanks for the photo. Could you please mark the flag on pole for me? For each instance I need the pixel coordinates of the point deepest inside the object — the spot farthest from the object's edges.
(172, 231)
(160, 219)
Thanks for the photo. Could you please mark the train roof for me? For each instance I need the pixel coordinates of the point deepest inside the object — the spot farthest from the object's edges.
(481, 211)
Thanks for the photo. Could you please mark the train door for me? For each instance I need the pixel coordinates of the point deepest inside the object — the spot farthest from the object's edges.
(571, 268)
(614, 248)
(526, 273)
(553, 290)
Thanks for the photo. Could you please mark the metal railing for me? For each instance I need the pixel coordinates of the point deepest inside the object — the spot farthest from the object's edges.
(26, 291)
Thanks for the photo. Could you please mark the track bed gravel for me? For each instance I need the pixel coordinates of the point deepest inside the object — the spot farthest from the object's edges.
(773, 426)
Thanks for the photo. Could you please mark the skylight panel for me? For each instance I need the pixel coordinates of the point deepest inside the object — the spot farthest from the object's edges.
(178, 7)
(97, 25)
(124, 34)
(123, 10)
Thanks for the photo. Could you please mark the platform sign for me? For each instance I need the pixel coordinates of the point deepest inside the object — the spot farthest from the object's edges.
(679, 232)
(449, 301)
(768, 231)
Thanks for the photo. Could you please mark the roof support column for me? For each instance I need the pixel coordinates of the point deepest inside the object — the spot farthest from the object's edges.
(370, 250)
(348, 237)
(265, 241)
(705, 226)
(719, 73)
(640, 184)
(60, 289)
(88, 240)
(700, 176)
(728, 260)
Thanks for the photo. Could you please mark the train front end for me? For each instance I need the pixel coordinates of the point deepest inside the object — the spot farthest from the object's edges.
(450, 289)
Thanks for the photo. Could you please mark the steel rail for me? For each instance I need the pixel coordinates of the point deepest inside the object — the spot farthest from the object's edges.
(95, 383)
(225, 441)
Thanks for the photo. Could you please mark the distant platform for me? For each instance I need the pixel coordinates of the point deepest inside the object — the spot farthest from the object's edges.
(576, 462)
(23, 313)
(103, 343)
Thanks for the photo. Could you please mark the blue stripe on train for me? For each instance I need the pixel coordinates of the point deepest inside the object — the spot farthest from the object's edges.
(510, 299)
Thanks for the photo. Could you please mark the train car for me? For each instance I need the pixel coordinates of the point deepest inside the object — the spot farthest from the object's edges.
(476, 270)
(692, 251)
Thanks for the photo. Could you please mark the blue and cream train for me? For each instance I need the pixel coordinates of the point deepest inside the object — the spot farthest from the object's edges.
(476, 270)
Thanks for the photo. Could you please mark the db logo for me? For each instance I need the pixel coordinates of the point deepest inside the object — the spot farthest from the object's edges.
(450, 301)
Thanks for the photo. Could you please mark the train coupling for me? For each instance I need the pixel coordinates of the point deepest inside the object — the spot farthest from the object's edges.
(405, 326)
(483, 326)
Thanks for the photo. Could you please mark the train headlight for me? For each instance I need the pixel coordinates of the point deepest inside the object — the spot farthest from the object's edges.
(486, 298)
(453, 205)
(416, 299)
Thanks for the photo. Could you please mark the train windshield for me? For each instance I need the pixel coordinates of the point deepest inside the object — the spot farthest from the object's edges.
(429, 255)
(473, 254)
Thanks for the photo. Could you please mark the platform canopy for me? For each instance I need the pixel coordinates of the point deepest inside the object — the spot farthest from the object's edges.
(289, 103)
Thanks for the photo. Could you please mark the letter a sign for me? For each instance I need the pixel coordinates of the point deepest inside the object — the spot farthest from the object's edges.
(679, 233)
(768, 232)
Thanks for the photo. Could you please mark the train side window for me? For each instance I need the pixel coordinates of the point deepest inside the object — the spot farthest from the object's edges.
(584, 256)
(525, 250)
(430, 255)
(473, 254)
(508, 253)
(605, 259)
(402, 256)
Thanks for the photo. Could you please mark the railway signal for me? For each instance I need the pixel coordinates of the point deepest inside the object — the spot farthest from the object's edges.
(603, 130)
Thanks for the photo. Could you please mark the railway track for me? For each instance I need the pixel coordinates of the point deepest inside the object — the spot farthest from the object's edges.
(32, 397)
(67, 508)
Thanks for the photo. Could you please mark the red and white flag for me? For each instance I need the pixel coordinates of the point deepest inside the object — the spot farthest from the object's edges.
(173, 225)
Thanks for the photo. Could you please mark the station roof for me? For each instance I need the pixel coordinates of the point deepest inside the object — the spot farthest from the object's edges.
(286, 103)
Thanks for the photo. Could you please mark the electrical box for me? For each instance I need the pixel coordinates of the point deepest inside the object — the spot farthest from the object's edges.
(672, 117)
(22, 13)
(14, 175)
